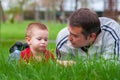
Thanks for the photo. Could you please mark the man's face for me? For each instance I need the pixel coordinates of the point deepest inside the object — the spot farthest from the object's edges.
(76, 37)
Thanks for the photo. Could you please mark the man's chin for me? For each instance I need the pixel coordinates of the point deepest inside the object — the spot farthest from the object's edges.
(75, 46)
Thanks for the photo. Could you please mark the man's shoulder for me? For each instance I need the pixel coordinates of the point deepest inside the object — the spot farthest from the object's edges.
(108, 22)
(62, 35)
(110, 26)
(63, 32)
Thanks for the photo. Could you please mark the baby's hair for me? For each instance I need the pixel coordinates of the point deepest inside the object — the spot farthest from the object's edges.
(34, 25)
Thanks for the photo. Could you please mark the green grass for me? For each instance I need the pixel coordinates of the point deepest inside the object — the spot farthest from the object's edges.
(85, 69)
(17, 30)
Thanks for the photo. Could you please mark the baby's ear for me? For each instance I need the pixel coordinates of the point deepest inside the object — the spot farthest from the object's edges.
(27, 39)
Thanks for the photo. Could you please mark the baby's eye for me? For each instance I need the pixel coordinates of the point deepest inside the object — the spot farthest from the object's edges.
(38, 38)
(46, 39)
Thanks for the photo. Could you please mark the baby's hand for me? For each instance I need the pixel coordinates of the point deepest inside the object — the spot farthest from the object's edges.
(66, 63)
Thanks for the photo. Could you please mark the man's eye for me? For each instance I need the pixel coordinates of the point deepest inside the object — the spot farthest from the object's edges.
(76, 36)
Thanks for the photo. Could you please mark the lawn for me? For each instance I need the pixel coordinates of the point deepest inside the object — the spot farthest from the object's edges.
(84, 69)
(17, 30)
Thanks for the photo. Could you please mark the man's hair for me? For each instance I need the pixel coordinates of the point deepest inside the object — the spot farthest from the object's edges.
(86, 19)
(34, 25)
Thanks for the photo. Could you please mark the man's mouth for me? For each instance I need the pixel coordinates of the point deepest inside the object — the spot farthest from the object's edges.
(73, 43)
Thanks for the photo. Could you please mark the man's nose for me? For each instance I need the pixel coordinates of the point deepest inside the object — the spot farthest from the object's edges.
(69, 37)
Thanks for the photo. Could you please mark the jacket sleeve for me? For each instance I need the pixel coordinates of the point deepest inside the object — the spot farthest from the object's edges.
(110, 39)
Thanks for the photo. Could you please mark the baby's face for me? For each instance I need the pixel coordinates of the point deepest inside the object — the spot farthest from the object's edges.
(38, 40)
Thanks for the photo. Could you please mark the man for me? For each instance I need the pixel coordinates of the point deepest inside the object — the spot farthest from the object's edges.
(87, 35)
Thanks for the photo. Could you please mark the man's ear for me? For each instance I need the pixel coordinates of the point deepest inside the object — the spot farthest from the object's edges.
(92, 37)
(27, 39)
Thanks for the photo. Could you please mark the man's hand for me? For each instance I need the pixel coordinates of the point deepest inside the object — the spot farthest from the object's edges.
(66, 63)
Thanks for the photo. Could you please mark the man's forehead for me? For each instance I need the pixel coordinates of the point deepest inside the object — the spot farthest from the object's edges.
(74, 28)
